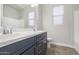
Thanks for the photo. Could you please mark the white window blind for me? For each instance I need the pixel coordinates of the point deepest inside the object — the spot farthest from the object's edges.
(58, 13)
(31, 17)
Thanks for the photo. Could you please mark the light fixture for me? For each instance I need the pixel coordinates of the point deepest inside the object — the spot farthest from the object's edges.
(34, 5)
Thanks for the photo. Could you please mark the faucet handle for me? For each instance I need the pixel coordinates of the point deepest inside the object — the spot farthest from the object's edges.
(10, 30)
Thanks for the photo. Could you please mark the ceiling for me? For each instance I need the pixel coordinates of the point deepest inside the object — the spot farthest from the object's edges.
(18, 6)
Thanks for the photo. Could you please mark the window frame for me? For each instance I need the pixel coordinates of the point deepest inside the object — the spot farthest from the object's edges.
(31, 18)
(61, 15)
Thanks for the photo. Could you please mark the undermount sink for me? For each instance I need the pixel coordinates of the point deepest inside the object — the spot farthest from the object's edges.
(14, 35)
(18, 34)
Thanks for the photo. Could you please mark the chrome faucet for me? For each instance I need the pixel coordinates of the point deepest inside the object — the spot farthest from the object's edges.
(10, 30)
(7, 31)
(34, 29)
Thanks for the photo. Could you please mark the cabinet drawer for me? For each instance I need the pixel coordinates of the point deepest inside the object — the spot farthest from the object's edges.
(41, 36)
(12, 48)
(30, 51)
(22, 50)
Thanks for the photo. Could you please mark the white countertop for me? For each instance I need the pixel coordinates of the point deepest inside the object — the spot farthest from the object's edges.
(18, 36)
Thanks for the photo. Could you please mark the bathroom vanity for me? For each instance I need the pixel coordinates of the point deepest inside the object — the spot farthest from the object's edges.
(24, 44)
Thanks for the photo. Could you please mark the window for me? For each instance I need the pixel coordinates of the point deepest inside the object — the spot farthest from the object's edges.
(58, 13)
(31, 17)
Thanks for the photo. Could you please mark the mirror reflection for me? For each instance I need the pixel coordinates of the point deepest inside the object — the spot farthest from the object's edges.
(19, 16)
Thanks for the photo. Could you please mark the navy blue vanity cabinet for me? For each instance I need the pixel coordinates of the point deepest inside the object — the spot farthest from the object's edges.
(30, 51)
(41, 44)
(39, 47)
(44, 49)
(18, 47)
(36, 45)
(27, 47)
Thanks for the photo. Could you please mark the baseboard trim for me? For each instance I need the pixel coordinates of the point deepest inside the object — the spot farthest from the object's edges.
(77, 49)
(66, 45)
(61, 44)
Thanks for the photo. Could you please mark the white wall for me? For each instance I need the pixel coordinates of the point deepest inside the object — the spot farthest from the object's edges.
(11, 12)
(62, 34)
(11, 22)
(25, 16)
(39, 21)
(12, 17)
(1, 13)
(76, 30)
(38, 16)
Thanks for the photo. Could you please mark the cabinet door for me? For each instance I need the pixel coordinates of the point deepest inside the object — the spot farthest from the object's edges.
(17, 47)
(30, 51)
(38, 49)
(41, 45)
(44, 47)
(26, 47)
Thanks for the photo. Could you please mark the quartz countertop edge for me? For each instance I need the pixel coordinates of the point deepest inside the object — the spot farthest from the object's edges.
(18, 38)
